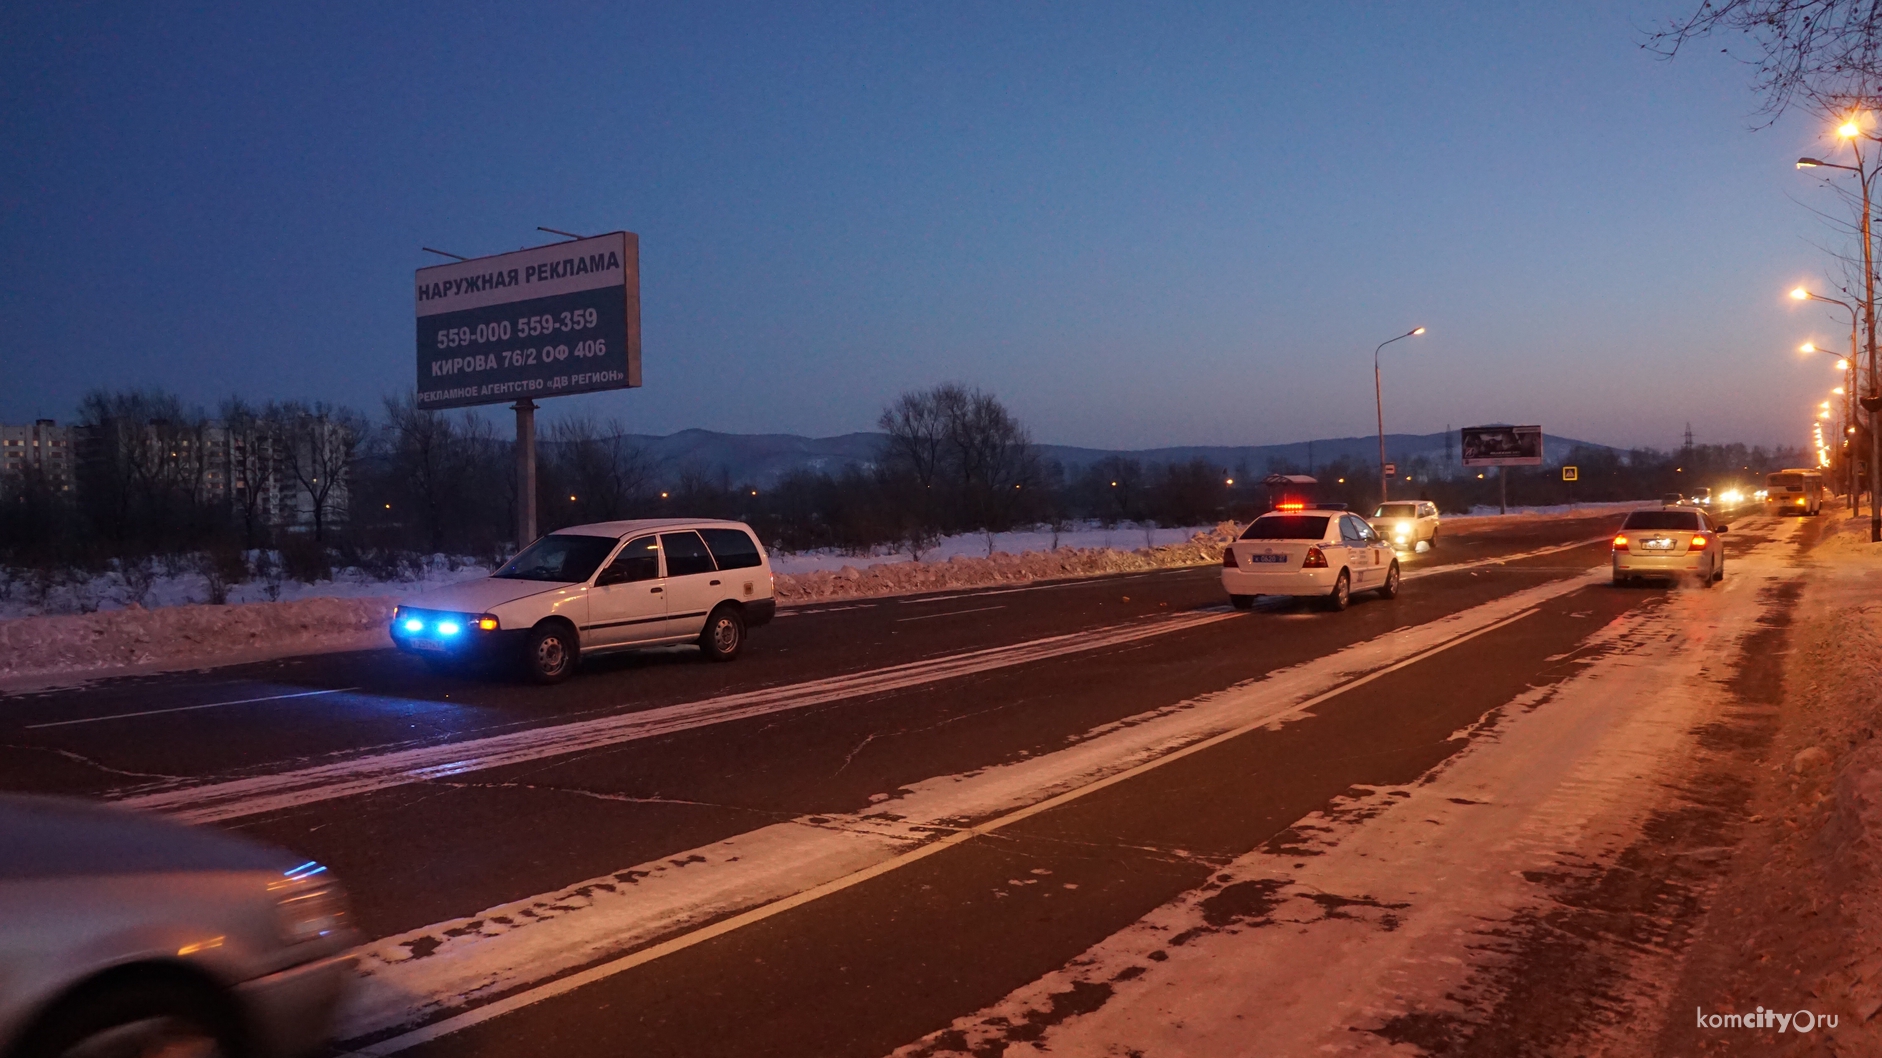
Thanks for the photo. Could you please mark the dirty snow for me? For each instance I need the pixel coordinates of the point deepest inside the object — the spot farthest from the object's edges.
(1392, 916)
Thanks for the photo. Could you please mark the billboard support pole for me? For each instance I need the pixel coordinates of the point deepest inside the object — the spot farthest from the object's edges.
(525, 472)
(1502, 490)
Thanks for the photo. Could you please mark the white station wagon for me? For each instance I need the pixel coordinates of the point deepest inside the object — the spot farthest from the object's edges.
(593, 589)
(1314, 553)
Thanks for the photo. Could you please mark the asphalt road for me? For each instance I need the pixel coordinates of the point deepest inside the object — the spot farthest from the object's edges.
(842, 915)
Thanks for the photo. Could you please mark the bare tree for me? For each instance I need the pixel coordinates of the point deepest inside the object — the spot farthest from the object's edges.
(1823, 53)
(318, 446)
(251, 463)
(606, 475)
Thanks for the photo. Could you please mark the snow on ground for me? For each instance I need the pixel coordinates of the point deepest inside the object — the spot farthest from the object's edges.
(1126, 536)
(27, 593)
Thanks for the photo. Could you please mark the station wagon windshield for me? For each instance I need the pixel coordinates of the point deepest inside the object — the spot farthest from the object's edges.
(1397, 510)
(1288, 527)
(563, 559)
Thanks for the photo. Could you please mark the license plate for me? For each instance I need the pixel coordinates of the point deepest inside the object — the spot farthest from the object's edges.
(1267, 558)
(1660, 545)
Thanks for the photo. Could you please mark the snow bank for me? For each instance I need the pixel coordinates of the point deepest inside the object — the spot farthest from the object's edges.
(1000, 568)
(164, 584)
(1124, 536)
(137, 639)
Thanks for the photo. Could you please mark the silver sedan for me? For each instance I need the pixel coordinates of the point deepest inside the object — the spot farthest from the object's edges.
(122, 934)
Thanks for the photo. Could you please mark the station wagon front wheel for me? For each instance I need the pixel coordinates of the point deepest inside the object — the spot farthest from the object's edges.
(551, 654)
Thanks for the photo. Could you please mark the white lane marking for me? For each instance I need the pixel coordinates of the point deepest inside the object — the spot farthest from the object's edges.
(950, 613)
(186, 708)
(770, 870)
(1498, 560)
(231, 799)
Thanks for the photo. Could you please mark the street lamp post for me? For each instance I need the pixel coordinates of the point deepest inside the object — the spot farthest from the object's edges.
(1378, 396)
(1852, 488)
(1865, 174)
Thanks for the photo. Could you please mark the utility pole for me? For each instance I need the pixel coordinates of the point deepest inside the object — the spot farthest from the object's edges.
(525, 473)
(1851, 130)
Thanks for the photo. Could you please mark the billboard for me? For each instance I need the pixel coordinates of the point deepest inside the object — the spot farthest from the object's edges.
(545, 322)
(1502, 446)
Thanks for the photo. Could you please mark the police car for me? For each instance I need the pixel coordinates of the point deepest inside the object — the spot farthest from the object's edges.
(1309, 552)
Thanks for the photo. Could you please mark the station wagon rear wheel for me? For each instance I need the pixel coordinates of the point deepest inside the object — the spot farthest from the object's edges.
(724, 635)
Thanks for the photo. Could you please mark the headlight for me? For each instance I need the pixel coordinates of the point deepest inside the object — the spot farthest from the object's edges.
(1403, 528)
(309, 903)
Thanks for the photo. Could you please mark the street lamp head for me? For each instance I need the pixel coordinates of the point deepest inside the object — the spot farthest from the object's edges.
(1418, 330)
(1807, 347)
(1838, 391)
(1849, 129)
(1808, 163)
(1842, 365)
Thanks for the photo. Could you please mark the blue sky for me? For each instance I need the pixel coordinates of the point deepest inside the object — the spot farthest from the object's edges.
(1140, 225)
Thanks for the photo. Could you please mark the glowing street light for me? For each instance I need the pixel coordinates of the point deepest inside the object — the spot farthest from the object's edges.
(1866, 169)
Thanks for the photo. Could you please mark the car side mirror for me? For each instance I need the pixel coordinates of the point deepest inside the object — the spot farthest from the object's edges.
(609, 576)
(1720, 528)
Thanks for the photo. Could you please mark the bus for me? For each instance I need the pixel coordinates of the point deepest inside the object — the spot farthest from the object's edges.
(1798, 490)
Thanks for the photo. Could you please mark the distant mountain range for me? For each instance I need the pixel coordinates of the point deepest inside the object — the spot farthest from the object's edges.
(762, 459)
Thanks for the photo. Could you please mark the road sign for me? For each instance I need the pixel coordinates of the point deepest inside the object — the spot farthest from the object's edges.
(1502, 446)
(1391, 470)
(546, 322)
(1571, 473)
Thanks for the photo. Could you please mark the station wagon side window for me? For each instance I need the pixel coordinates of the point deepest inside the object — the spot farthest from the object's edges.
(639, 560)
(686, 554)
(734, 548)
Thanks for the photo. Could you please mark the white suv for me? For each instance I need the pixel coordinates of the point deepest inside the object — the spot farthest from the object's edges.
(592, 589)
(1407, 523)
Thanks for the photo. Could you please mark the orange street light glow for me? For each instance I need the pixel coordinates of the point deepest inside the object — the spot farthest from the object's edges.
(1420, 330)
(1806, 348)
(1849, 129)
(1842, 365)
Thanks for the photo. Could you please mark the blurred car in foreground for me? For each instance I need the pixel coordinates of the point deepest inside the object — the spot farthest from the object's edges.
(1668, 543)
(1311, 553)
(1407, 524)
(123, 934)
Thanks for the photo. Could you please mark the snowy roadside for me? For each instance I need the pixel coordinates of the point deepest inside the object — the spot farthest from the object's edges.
(1797, 917)
(44, 651)
(352, 611)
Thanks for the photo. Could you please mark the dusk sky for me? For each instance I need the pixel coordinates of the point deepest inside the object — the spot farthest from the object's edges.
(1139, 225)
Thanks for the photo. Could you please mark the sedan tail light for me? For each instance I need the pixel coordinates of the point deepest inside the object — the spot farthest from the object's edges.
(1228, 558)
(1316, 559)
(1620, 543)
(1698, 542)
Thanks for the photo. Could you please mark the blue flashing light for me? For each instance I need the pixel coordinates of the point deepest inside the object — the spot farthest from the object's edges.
(414, 625)
(449, 628)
